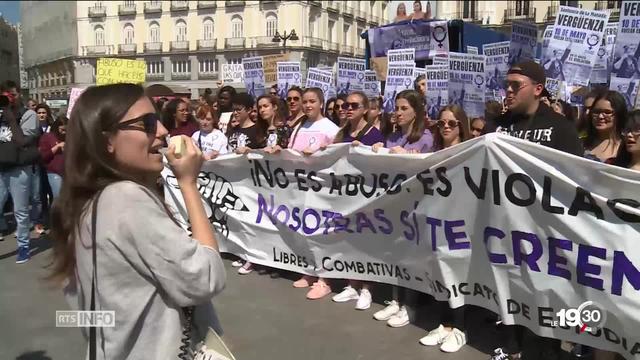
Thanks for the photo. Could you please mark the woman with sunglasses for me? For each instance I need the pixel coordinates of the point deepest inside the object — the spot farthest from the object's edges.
(248, 134)
(178, 119)
(411, 137)
(294, 98)
(453, 127)
(112, 231)
(629, 153)
(608, 117)
(211, 141)
(340, 115)
(51, 147)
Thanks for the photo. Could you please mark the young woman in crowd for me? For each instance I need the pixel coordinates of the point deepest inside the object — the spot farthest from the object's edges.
(564, 108)
(608, 117)
(178, 119)
(294, 100)
(51, 147)
(401, 13)
(582, 122)
(311, 134)
(253, 115)
(629, 153)
(278, 132)
(210, 140)
(410, 138)
(453, 128)
(44, 117)
(225, 99)
(248, 134)
(144, 265)
(358, 130)
(340, 116)
(477, 126)
(329, 110)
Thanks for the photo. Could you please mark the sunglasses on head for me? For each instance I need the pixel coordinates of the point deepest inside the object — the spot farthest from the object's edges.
(450, 123)
(293, 98)
(352, 106)
(147, 123)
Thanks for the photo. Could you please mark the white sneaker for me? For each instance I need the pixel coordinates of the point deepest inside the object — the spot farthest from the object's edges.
(454, 341)
(237, 263)
(347, 294)
(364, 300)
(400, 319)
(247, 268)
(386, 313)
(435, 337)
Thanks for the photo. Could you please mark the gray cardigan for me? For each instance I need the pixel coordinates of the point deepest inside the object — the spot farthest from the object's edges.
(148, 269)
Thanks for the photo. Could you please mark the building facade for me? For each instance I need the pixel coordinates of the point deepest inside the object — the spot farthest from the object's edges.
(9, 58)
(184, 43)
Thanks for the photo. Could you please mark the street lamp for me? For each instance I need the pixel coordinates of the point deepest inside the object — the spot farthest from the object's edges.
(292, 36)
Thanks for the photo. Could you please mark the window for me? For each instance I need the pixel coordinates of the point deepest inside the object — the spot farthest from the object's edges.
(98, 32)
(313, 60)
(208, 66)
(360, 31)
(97, 4)
(312, 26)
(129, 3)
(572, 3)
(345, 35)
(181, 66)
(332, 25)
(234, 61)
(155, 67)
(522, 7)
(469, 9)
(613, 4)
(154, 32)
(236, 26)
(181, 30)
(127, 33)
(272, 24)
(207, 29)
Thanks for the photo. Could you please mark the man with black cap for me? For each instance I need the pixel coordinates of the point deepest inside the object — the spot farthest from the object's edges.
(528, 118)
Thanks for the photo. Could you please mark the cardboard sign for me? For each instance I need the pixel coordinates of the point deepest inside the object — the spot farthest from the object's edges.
(232, 73)
(75, 94)
(114, 71)
(270, 63)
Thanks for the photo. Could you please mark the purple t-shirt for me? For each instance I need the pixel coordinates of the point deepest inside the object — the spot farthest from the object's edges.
(371, 137)
(423, 145)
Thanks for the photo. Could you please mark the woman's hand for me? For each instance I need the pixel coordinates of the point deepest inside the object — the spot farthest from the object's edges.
(273, 149)
(243, 150)
(356, 143)
(187, 168)
(377, 146)
(397, 150)
(211, 155)
(58, 147)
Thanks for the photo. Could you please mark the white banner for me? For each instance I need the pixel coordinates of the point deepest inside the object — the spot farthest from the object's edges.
(497, 66)
(371, 84)
(321, 79)
(437, 89)
(522, 230)
(524, 40)
(350, 75)
(466, 85)
(602, 66)
(399, 77)
(288, 75)
(254, 75)
(572, 51)
(233, 73)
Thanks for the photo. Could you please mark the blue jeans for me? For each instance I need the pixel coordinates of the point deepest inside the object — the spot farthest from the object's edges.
(36, 196)
(55, 182)
(17, 182)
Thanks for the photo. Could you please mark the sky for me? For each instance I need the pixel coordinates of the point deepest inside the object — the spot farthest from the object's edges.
(10, 11)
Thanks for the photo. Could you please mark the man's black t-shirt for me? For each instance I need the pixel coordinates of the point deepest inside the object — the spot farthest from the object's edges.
(245, 137)
(546, 127)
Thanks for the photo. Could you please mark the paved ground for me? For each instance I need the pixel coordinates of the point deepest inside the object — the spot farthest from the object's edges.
(263, 319)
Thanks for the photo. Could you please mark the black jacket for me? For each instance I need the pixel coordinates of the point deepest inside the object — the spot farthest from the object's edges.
(545, 127)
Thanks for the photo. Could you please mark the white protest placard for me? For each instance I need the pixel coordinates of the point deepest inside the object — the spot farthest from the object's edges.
(572, 51)
(254, 75)
(73, 97)
(472, 49)
(628, 88)
(556, 89)
(437, 89)
(321, 79)
(441, 59)
(401, 56)
(225, 117)
(467, 82)
(496, 70)
(524, 40)
(439, 40)
(350, 75)
(289, 75)
(495, 222)
(602, 67)
(546, 38)
(399, 77)
(627, 48)
(371, 84)
(232, 73)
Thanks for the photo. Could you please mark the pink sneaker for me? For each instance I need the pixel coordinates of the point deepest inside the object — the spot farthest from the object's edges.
(304, 282)
(319, 290)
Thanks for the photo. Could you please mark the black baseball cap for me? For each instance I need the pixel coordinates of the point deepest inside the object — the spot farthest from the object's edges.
(530, 69)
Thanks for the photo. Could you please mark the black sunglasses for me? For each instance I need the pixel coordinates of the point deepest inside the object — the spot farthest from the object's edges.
(294, 98)
(451, 123)
(352, 106)
(148, 121)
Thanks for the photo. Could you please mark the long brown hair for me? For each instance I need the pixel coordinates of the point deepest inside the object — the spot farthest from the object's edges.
(89, 167)
(277, 113)
(416, 101)
(346, 129)
(460, 115)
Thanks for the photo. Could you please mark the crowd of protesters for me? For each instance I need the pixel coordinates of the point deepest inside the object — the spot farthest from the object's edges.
(602, 129)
